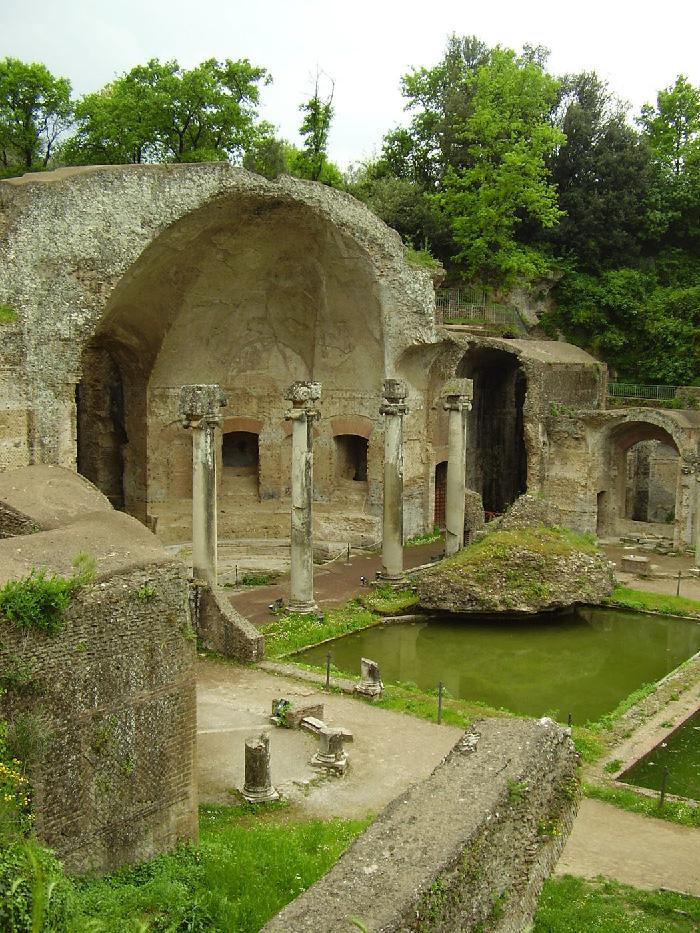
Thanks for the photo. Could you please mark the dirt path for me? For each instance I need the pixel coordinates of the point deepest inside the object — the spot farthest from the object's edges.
(632, 849)
(333, 583)
(390, 750)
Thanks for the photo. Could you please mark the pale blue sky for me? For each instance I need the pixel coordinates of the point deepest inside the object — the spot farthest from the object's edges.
(639, 47)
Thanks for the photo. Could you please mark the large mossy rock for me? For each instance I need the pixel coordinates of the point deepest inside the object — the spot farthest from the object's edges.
(519, 570)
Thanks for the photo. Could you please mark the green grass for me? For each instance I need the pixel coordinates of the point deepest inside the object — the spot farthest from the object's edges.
(550, 541)
(8, 315)
(627, 598)
(408, 698)
(293, 631)
(386, 600)
(572, 905)
(426, 538)
(672, 811)
(249, 863)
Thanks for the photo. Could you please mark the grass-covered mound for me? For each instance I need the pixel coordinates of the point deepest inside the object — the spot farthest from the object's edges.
(528, 570)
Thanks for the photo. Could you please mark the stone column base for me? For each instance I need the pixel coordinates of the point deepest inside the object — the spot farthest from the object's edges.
(308, 608)
(330, 762)
(260, 794)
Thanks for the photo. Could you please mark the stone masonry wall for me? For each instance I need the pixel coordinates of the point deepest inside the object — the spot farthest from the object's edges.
(467, 849)
(112, 700)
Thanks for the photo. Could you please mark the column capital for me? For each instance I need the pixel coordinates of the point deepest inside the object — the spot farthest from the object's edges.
(200, 405)
(303, 396)
(395, 393)
(458, 394)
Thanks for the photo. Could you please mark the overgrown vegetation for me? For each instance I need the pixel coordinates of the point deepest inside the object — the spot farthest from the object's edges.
(291, 631)
(8, 315)
(427, 538)
(572, 905)
(39, 600)
(249, 863)
(388, 600)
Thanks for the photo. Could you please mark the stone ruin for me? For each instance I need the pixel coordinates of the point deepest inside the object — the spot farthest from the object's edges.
(126, 283)
(110, 699)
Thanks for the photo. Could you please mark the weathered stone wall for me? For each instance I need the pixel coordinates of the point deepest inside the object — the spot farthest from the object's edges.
(584, 466)
(135, 279)
(224, 630)
(107, 705)
(469, 846)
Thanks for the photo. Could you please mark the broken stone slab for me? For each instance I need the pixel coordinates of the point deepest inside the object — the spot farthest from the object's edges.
(634, 564)
(331, 755)
(285, 713)
(258, 785)
(370, 684)
(316, 726)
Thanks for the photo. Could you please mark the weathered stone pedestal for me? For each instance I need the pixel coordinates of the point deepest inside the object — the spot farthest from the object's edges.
(200, 410)
(303, 396)
(393, 409)
(331, 755)
(457, 403)
(370, 684)
(258, 785)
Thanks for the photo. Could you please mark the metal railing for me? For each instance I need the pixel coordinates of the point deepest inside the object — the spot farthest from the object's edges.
(471, 304)
(627, 390)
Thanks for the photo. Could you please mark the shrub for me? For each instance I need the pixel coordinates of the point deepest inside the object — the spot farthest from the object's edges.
(37, 601)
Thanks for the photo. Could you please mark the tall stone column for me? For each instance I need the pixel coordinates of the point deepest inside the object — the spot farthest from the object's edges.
(696, 521)
(303, 396)
(458, 402)
(393, 409)
(199, 410)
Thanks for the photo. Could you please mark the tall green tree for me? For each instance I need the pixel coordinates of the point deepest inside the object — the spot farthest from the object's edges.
(160, 112)
(602, 175)
(671, 130)
(672, 127)
(508, 138)
(35, 108)
(315, 129)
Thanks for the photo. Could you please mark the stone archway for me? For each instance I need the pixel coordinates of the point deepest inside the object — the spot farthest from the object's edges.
(626, 498)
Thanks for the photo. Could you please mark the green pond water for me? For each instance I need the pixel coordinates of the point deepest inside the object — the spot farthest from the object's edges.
(581, 663)
(680, 753)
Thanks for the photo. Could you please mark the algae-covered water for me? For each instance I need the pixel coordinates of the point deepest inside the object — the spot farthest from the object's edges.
(680, 753)
(581, 663)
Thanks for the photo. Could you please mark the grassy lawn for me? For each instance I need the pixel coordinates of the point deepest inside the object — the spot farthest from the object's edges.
(572, 905)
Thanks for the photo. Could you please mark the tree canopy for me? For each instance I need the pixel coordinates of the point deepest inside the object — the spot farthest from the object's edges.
(504, 172)
(160, 112)
(35, 108)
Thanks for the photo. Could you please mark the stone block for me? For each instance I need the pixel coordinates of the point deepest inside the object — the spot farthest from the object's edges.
(634, 564)
(293, 715)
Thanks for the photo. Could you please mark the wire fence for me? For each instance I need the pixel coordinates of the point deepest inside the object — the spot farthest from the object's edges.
(469, 303)
(627, 390)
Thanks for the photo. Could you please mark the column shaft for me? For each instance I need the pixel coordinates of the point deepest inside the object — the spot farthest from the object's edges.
(392, 535)
(302, 551)
(456, 465)
(204, 527)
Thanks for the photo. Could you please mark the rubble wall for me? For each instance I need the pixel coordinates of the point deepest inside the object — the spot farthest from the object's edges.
(468, 847)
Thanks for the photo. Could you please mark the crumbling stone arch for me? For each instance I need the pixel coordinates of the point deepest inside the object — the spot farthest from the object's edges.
(284, 279)
(618, 437)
